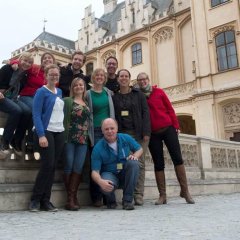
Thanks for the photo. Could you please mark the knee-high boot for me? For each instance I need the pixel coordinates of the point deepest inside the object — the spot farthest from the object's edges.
(161, 184)
(66, 181)
(182, 179)
(72, 191)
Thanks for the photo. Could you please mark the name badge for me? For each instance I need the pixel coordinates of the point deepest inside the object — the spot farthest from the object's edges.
(119, 166)
(124, 113)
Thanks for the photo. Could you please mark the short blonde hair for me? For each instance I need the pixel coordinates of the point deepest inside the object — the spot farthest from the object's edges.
(95, 72)
(26, 55)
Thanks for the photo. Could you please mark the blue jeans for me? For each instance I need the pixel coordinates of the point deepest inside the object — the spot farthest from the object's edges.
(75, 157)
(125, 179)
(14, 112)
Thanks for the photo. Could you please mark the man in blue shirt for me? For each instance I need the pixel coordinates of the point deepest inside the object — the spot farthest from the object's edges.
(115, 164)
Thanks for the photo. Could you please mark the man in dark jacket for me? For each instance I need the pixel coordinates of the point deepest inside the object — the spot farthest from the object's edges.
(111, 67)
(71, 71)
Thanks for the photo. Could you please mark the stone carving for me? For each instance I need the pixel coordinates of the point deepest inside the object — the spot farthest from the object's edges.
(182, 90)
(232, 158)
(108, 54)
(219, 157)
(163, 34)
(190, 155)
(231, 114)
(224, 158)
(222, 29)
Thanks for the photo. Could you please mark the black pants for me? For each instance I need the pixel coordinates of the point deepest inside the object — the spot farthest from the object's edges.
(49, 158)
(170, 138)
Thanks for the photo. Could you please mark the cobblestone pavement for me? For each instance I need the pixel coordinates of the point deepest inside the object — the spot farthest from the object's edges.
(212, 217)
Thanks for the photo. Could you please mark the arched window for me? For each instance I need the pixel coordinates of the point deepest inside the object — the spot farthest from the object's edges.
(226, 50)
(217, 2)
(89, 69)
(136, 53)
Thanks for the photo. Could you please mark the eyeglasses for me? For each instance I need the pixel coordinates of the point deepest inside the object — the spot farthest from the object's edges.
(111, 64)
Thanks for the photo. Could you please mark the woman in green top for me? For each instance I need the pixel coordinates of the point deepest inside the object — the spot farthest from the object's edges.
(100, 102)
(76, 123)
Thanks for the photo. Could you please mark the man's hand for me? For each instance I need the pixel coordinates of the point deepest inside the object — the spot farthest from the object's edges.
(132, 157)
(106, 185)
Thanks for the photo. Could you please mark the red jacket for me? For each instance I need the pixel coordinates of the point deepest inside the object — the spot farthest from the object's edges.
(161, 111)
(34, 81)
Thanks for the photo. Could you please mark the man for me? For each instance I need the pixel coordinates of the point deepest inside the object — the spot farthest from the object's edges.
(111, 66)
(71, 71)
(115, 164)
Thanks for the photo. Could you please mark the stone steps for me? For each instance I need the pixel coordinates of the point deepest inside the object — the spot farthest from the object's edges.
(17, 196)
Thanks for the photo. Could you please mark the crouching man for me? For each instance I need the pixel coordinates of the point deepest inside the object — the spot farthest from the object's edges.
(115, 164)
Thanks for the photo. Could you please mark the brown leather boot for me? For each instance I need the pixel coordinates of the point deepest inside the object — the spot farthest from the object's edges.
(66, 180)
(72, 191)
(182, 179)
(160, 179)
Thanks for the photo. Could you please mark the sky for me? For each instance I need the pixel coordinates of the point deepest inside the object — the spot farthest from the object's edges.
(22, 20)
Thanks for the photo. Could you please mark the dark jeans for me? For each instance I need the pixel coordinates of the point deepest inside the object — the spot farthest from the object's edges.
(126, 179)
(19, 115)
(25, 121)
(14, 114)
(49, 158)
(28, 103)
(170, 138)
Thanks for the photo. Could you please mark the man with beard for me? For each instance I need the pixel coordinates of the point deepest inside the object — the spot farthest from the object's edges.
(71, 71)
(111, 67)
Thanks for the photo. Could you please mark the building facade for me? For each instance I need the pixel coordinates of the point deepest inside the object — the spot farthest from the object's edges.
(190, 48)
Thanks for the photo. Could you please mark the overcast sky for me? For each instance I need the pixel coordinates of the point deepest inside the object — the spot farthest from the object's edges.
(22, 20)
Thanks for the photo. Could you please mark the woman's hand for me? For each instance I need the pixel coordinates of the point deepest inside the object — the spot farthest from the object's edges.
(1, 96)
(43, 142)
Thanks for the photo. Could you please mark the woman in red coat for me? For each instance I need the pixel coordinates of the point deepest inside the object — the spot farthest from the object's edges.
(165, 128)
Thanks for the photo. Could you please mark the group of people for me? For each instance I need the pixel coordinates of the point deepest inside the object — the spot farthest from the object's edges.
(101, 118)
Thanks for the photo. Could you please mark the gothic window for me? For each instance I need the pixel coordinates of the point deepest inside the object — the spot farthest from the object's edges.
(226, 50)
(217, 2)
(89, 69)
(136, 53)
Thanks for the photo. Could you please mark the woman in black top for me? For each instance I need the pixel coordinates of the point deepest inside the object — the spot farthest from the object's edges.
(132, 115)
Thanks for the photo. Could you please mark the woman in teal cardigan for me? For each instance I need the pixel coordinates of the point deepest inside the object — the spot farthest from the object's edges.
(76, 124)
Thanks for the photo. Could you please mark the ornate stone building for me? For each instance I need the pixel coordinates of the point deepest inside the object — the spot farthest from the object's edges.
(188, 47)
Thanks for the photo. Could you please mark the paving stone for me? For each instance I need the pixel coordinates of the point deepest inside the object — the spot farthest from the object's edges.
(213, 217)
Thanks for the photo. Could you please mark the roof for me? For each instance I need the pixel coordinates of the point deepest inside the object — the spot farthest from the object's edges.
(56, 40)
(110, 20)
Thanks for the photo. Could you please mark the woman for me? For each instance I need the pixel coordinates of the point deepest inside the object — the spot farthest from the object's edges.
(10, 85)
(76, 122)
(99, 100)
(48, 121)
(165, 128)
(132, 115)
(35, 79)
